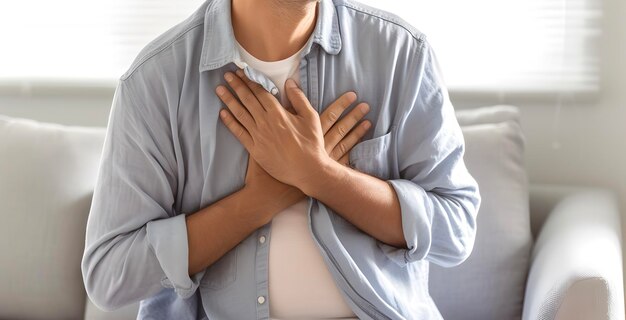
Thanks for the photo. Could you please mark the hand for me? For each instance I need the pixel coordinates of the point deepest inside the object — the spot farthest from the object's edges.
(339, 138)
(290, 147)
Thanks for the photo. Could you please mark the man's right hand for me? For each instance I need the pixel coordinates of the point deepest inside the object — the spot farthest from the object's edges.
(219, 227)
(339, 138)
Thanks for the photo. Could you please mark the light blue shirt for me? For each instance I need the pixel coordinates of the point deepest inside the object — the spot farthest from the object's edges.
(167, 154)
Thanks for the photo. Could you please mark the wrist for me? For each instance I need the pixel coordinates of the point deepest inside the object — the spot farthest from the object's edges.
(258, 198)
(326, 171)
(270, 201)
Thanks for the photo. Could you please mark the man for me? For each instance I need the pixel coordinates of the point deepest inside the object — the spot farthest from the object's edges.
(207, 168)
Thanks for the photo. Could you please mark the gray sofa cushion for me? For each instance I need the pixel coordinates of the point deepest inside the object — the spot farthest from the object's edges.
(490, 114)
(47, 175)
(48, 172)
(490, 283)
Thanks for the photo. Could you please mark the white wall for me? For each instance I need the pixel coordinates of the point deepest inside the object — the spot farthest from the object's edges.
(580, 143)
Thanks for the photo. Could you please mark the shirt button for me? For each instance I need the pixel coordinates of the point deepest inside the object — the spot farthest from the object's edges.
(262, 239)
(274, 91)
(261, 299)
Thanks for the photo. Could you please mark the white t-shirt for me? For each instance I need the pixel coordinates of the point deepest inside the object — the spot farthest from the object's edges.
(300, 285)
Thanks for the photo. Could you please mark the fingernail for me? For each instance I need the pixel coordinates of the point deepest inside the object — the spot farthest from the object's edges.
(351, 96)
(228, 76)
(290, 83)
(240, 73)
(220, 90)
(223, 113)
(367, 124)
(364, 107)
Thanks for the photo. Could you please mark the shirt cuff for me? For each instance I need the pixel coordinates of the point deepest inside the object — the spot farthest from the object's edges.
(415, 210)
(168, 239)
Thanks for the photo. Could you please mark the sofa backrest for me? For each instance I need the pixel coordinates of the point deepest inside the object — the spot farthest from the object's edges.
(47, 175)
(490, 284)
(48, 172)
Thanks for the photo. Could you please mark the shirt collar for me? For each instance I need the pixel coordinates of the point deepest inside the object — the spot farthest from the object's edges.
(219, 46)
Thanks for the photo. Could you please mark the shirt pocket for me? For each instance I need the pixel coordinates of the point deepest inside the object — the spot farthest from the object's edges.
(222, 273)
(372, 156)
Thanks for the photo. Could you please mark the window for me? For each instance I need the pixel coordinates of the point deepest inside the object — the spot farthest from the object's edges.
(80, 42)
(509, 46)
(482, 45)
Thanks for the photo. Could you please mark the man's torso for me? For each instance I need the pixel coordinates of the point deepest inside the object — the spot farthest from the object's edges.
(371, 59)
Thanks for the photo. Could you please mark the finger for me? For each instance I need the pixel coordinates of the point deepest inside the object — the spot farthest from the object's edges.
(240, 113)
(345, 124)
(290, 109)
(346, 144)
(236, 129)
(266, 99)
(246, 96)
(298, 100)
(331, 114)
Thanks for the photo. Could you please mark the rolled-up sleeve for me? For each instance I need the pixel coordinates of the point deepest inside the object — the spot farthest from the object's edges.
(439, 198)
(136, 243)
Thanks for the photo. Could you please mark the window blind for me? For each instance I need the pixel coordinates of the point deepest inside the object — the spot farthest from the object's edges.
(80, 41)
(482, 45)
(509, 46)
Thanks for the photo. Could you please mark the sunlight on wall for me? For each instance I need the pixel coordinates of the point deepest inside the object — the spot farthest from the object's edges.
(482, 45)
(80, 40)
(514, 45)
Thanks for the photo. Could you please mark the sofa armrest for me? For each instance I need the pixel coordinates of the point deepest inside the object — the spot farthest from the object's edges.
(577, 257)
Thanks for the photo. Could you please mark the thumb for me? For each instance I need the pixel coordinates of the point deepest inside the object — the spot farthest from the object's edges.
(297, 98)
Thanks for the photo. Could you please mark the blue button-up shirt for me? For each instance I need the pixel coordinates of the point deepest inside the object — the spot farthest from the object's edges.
(167, 154)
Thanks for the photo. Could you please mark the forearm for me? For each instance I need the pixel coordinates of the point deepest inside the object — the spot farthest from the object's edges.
(366, 201)
(217, 228)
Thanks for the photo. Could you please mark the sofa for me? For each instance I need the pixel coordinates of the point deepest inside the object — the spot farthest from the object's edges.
(542, 251)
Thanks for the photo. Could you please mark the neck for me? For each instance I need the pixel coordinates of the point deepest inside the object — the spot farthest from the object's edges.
(273, 30)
